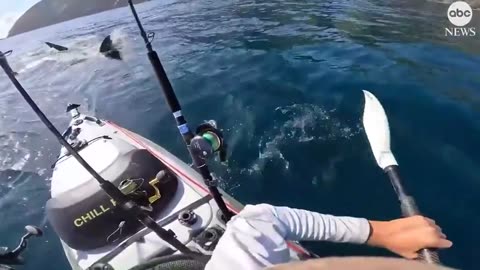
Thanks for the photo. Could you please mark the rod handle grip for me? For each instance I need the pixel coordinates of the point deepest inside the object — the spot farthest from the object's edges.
(409, 208)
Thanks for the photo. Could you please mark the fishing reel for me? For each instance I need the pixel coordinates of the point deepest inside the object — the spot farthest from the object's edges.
(144, 193)
(132, 188)
(209, 140)
(13, 257)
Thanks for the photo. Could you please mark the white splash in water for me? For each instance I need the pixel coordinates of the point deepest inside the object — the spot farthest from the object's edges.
(80, 49)
(12, 154)
(42, 171)
(21, 163)
(36, 63)
(303, 124)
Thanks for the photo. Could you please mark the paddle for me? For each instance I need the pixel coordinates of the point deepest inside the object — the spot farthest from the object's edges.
(376, 127)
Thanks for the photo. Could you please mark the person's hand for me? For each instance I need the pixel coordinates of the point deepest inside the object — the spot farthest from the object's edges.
(406, 236)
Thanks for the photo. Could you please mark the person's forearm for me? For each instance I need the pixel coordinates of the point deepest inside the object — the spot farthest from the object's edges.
(302, 225)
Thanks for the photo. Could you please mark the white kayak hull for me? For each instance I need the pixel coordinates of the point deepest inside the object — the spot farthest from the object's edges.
(105, 153)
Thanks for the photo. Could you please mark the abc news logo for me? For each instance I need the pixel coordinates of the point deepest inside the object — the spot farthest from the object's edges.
(457, 13)
(460, 14)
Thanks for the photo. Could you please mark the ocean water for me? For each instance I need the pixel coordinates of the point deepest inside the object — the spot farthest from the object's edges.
(284, 80)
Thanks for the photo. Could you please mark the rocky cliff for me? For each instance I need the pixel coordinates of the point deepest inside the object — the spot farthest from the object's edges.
(48, 12)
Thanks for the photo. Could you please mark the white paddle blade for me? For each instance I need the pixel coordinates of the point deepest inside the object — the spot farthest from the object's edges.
(376, 126)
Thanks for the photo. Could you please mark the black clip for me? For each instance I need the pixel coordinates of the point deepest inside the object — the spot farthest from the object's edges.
(150, 36)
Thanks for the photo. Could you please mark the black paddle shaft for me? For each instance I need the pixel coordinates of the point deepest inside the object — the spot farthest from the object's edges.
(130, 208)
(409, 208)
(182, 124)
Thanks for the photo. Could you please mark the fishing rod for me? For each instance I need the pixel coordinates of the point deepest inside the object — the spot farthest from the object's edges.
(208, 138)
(130, 208)
(377, 129)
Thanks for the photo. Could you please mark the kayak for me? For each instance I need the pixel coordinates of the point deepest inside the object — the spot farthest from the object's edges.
(92, 231)
(120, 201)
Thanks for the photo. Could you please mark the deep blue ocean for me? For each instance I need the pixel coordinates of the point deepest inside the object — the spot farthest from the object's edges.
(284, 80)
